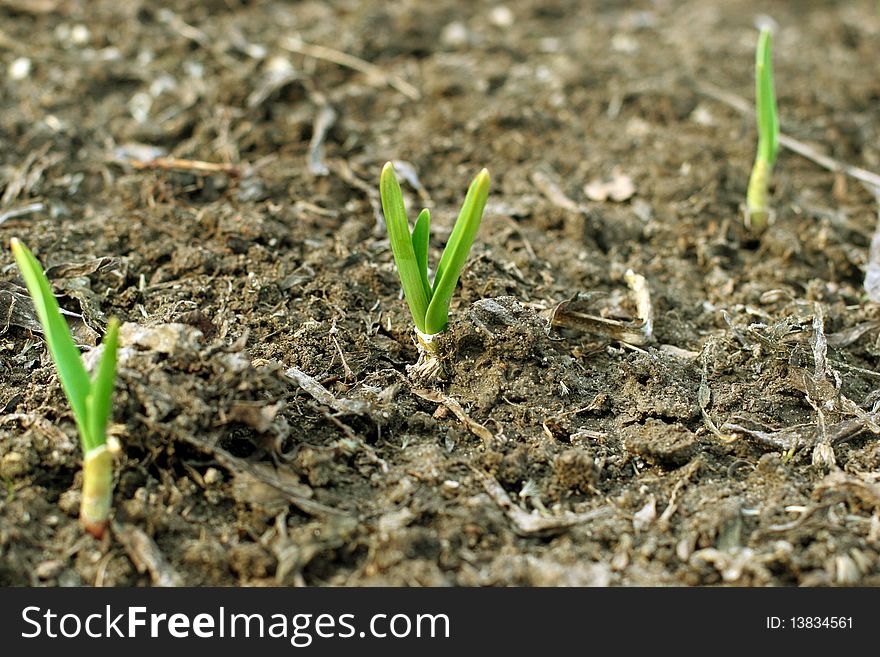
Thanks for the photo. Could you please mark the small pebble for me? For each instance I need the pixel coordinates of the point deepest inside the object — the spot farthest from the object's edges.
(69, 501)
(212, 476)
(48, 569)
(20, 68)
(279, 66)
(501, 16)
(702, 115)
(54, 124)
(80, 35)
(12, 465)
(645, 516)
(139, 105)
(455, 35)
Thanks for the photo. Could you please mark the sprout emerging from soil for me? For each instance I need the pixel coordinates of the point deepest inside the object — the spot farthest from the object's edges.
(429, 302)
(90, 399)
(758, 213)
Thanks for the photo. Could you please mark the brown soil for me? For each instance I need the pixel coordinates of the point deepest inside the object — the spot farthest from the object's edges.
(270, 431)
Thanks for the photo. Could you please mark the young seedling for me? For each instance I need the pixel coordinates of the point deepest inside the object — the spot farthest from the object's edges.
(758, 212)
(90, 399)
(429, 301)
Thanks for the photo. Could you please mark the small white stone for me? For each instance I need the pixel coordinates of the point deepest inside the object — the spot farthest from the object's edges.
(139, 105)
(646, 515)
(501, 16)
(279, 66)
(194, 69)
(54, 123)
(108, 54)
(145, 57)
(213, 476)
(20, 68)
(80, 35)
(455, 35)
(702, 116)
(49, 569)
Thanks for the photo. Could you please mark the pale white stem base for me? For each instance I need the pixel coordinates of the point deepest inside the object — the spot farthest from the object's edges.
(97, 492)
(429, 367)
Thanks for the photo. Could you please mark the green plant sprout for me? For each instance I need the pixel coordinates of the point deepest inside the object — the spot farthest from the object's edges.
(90, 399)
(758, 212)
(429, 302)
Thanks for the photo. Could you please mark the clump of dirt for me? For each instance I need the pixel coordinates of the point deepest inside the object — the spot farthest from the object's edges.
(205, 176)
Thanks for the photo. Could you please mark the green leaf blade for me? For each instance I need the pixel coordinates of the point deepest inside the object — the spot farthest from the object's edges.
(765, 95)
(68, 363)
(402, 246)
(420, 238)
(456, 252)
(99, 401)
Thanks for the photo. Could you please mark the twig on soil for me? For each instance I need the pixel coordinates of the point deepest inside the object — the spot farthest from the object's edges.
(739, 335)
(784, 440)
(595, 404)
(528, 524)
(553, 192)
(302, 503)
(848, 336)
(297, 45)
(21, 211)
(872, 268)
(853, 368)
(264, 475)
(341, 406)
(848, 429)
(183, 28)
(23, 178)
(37, 7)
(196, 166)
(438, 397)
(324, 120)
(346, 370)
(638, 284)
(704, 394)
(806, 514)
(146, 555)
(799, 147)
(324, 396)
(280, 74)
(629, 332)
(806, 435)
(817, 392)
